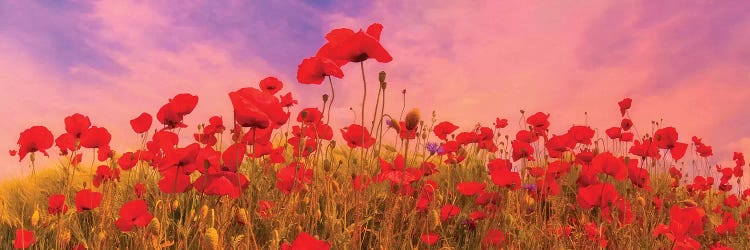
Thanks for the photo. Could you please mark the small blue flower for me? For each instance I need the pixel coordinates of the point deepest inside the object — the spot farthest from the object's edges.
(434, 147)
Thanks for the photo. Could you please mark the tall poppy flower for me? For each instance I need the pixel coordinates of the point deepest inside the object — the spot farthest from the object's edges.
(666, 138)
(305, 241)
(313, 70)
(596, 195)
(501, 123)
(133, 214)
(95, 137)
(76, 124)
(24, 239)
(36, 138)
(429, 238)
(443, 129)
(141, 123)
(257, 109)
(470, 188)
(611, 165)
(449, 211)
(354, 135)
(538, 121)
(221, 183)
(172, 113)
(345, 44)
(271, 84)
(87, 200)
(625, 105)
(56, 204)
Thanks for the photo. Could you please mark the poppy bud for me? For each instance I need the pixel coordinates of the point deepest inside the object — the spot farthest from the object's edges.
(383, 85)
(211, 238)
(327, 165)
(522, 111)
(403, 91)
(381, 76)
(412, 119)
(325, 98)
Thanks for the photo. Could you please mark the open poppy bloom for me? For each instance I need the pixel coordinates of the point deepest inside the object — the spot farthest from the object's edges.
(470, 188)
(257, 109)
(141, 123)
(133, 214)
(271, 84)
(685, 223)
(286, 180)
(346, 45)
(76, 124)
(430, 238)
(443, 129)
(56, 204)
(501, 123)
(611, 165)
(221, 183)
(449, 211)
(494, 238)
(95, 137)
(36, 138)
(666, 138)
(87, 200)
(172, 113)
(354, 135)
(596, 195)
(625, 105)
(304, 241)
(24, 239)
(313, 70)
(539, 122)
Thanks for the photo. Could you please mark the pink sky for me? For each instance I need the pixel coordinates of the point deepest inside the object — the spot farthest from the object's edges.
(685, 63)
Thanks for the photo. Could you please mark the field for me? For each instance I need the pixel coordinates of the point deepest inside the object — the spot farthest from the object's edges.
(268, 178)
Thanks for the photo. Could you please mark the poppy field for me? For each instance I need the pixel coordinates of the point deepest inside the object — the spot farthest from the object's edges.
(279, 175)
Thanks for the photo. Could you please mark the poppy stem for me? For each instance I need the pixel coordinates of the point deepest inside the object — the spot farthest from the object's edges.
(330, 104)
(362, 115)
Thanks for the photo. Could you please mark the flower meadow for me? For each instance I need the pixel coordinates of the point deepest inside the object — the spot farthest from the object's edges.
(272, 176)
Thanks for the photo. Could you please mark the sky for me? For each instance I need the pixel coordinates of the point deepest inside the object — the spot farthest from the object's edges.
(686, 64)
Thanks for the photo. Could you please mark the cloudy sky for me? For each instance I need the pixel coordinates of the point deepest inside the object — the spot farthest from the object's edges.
(686, 63)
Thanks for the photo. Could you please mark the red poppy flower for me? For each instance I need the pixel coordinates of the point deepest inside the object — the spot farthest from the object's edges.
(684, 224)
(105, 174)
(24, 239)
(313, 70)
(611, 165)
(77, 124)
(139, 189)
(704, 150)
(36, 138)
(732, 201)
(646, 149)
(539, 122)
(221, 183)
(624, 105)
(559, 144)
(141, 123)
(182, 160)
(728, 225)
(470, 188)
(522, 150)
(12, 152)
(345, 44)
(56, 204)
(499, 164)
(133, 214)
(95, 137)
(270, 84)
(627, 136)
(666, 138)
(501, 123)
(526, 136)
(739, 159)
(287, 100)
(172, 113)
(430, 238)
(448, 211)
(174, 182)
(596, 195)
(405, 133)
(264, 208)
(443, 129)
(257, 109)
(626, 124)
(310, 116)
(506, 178)
(494, 237)
(87, 200)
(306, 242)
(354, 135)
(582, 134)
(66, 142)
(286, 180)
(596, 234)
(613, 132)
(624, 213)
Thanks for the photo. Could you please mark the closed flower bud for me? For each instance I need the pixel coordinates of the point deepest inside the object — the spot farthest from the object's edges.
(381, 76)
(325, 97)
(412, 119)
